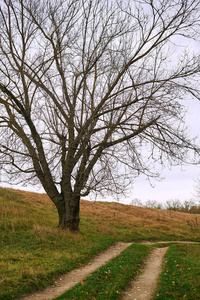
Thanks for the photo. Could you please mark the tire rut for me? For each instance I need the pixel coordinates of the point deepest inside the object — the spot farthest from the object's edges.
(140, 289)
(144, 286)
(70, 279)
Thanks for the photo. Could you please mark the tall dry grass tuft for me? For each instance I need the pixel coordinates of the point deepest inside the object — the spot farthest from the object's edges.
(14, 217)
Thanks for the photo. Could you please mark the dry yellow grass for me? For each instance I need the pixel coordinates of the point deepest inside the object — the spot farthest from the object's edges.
(142, 218)
(107, 217)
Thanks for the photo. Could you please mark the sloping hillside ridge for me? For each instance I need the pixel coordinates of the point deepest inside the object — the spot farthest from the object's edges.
(33, 251)
(142, 222)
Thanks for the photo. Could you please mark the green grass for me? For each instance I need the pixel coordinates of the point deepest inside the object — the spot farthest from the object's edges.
(108, 281)
(180, 278)
(30, 261)
(33, 251)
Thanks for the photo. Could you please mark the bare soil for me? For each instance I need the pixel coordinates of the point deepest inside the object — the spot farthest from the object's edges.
(141, 288)
(70, 279)
(144, 286)
(116, 215)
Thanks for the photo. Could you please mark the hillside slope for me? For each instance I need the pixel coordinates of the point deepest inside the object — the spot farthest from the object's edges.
(111, 218)
(33, 250)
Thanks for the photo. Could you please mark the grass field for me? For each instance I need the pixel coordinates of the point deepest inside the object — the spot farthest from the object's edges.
(108, 281)
(33, 251)
(180, 278)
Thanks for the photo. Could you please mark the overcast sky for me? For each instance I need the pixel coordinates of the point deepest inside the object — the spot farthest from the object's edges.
(179, 182)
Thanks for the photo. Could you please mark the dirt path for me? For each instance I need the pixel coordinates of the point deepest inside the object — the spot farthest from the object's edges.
(70, 279)
(140, 289)
(144, 286)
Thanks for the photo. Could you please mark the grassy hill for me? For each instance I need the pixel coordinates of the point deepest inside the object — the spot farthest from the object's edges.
(33, 250)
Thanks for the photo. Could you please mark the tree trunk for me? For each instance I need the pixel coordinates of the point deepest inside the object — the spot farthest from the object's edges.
(68, 212)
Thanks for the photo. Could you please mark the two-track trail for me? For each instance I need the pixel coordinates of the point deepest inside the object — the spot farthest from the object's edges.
(142, 288)
(67, 281)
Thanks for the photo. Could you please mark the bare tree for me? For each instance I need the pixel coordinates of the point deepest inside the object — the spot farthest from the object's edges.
(196, 190)
(91, 91)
